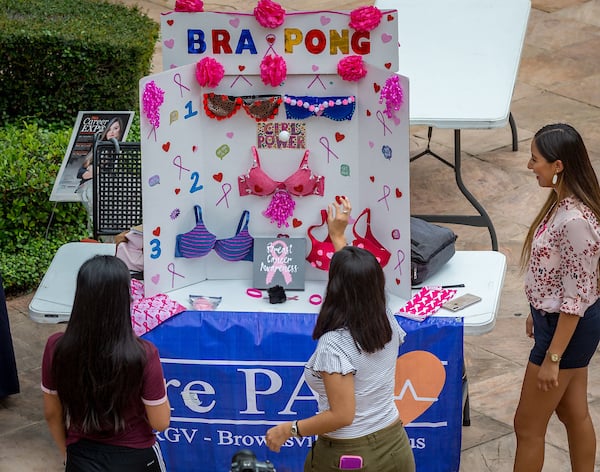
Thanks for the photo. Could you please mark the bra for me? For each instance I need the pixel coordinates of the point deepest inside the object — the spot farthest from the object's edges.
(301, 183)
(321, 252)
(369, 242)
(199, 241)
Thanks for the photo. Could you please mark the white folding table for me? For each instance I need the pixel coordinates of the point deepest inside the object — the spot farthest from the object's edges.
(462, 59)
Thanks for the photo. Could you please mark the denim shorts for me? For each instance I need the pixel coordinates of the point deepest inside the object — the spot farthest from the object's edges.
(582, 345)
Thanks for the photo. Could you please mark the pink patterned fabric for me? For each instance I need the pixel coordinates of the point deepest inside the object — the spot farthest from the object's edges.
(148, 313)
(426, 302)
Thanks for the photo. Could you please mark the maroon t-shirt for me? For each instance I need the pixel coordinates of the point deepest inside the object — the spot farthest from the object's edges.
(138, 432)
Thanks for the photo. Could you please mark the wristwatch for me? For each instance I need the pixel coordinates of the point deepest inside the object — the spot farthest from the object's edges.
(295, 430)
(553, 357)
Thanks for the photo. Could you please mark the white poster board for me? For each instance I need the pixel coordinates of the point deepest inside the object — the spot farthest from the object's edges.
(192, 159)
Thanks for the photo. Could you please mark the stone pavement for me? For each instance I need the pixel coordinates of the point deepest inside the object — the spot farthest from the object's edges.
(559, 80)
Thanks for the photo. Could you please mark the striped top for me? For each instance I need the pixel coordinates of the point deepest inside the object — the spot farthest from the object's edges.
(374, 377)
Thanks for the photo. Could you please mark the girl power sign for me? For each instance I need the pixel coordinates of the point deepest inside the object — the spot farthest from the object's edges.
(310, 42)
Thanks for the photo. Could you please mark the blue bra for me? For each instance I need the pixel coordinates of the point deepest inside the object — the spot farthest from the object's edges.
(334, 108)
(199, 241)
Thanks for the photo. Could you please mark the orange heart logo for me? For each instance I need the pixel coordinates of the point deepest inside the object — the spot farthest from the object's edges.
(218, 177)
(420, 377)
(339, 136)
(398, 193)
(156, 231)
(296, 222)
(177, 190)
(376, 87)
(166, 146)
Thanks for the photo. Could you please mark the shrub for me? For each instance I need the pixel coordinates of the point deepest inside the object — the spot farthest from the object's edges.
(62, 56)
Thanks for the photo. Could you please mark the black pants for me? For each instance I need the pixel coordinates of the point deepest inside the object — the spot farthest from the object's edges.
(89, 456)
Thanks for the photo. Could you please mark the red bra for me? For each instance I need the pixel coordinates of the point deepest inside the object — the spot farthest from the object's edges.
(369, 242)
(301, 183)
(321, 252)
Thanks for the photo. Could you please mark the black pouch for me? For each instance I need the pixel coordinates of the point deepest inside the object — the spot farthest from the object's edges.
(431, 246)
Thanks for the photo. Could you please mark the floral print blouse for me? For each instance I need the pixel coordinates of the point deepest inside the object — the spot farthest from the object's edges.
(562, 275)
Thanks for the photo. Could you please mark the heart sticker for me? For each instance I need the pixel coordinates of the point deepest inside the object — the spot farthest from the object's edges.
(390, 17)
(420, 377)
(372, 178)
(155, 279)
(388, 65)
(169, 43)
(315, 68)
(156, 231)
(339, 136)
(241, 68)
(376, 87)
(229, 134)
(218, 177)
(166, 146)
(398, 193)
(368, 112)
(296, 222)
(325, 20)
(386, 38)
(397, 281)
(235, 22)
(371, 144)
(194, 148)
(177, 190)
(170, 22)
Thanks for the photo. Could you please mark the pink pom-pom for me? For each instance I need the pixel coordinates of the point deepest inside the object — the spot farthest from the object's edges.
(189, 5)
(351, 68)
(152, 98)
(269, 14)
(280, 208)
(209, 72)
(393, 95)
(365, 18)
(273, 70)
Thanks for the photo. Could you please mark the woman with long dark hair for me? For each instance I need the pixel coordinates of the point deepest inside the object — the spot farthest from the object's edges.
(353, 368)
(104, 389)
(560, 256)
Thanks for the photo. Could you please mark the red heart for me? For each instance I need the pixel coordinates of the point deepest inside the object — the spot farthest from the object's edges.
(170, 22)
(241, 68)
(372, 178)
(339, 136)
(218, 177)
(194, 148)
(296, 222)
(398, 193)
(376, 87)
(166, 146)
(388, 65)
(368, 112)
(177, 190)
(390, 17)
(397, 281)
(299, 188)
(258, 189)
(156, 231)
(270, 38)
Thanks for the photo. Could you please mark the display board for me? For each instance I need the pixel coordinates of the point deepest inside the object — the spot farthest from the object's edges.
(194, 158)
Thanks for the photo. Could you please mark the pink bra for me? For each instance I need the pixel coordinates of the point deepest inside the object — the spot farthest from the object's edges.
(369, 242)
(301, 183)
(321, 252)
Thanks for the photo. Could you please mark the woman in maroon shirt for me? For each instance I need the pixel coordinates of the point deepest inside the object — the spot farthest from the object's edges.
(104, 389)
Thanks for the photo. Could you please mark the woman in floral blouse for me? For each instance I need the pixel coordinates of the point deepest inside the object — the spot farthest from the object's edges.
(560, 255)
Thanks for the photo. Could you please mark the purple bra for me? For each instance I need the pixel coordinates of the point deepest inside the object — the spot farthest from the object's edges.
(200, 241)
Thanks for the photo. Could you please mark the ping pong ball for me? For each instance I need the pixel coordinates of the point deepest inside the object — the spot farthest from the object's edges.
(284, 136)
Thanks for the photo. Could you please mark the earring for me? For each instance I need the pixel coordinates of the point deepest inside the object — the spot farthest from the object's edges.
(554, 179)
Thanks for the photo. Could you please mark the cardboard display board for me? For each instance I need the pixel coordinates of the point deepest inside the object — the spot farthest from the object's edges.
(191, 159)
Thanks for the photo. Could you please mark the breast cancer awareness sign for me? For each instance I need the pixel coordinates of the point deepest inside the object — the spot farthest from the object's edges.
(177, 80)
(278, 251)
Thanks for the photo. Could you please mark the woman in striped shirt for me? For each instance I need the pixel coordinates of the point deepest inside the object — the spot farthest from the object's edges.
(353, 367)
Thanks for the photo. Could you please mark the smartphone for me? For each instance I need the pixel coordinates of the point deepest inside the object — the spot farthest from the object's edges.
(461, 302)
(351, 462)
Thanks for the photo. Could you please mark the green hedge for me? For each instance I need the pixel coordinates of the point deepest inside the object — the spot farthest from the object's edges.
(62, 56)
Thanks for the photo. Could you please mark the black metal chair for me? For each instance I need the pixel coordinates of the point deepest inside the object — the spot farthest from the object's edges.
(117, 187)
